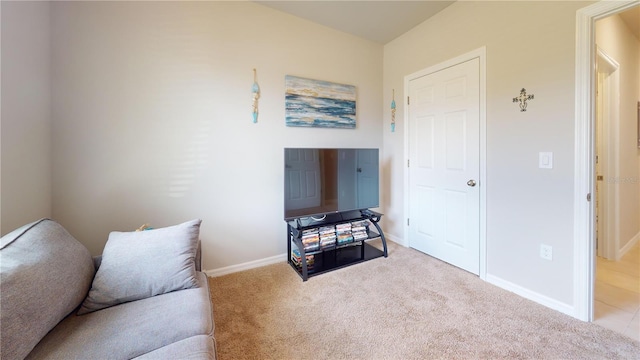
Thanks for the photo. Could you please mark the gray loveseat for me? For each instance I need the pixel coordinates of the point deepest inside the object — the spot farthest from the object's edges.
(57, 302)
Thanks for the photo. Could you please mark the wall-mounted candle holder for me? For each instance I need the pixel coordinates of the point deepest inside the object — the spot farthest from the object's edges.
(393, 110)
(256, 95)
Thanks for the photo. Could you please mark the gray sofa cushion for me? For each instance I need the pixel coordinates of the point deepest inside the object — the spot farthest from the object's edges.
(44, 275)
(131, 329)
(194, 348)
(137, 265)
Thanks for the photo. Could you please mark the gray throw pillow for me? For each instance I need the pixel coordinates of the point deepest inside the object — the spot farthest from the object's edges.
(141, 264)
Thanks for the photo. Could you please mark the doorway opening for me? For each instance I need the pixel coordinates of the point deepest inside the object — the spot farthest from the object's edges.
(591, 235)
(617, 273)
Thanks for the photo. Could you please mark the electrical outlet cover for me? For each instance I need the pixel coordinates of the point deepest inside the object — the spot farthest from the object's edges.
(546, 252)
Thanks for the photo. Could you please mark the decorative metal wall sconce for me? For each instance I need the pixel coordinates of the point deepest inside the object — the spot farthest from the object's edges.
(522, 99)
(256, 95)
(393, 110)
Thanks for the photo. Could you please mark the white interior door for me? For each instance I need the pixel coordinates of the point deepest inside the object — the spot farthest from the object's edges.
(601, 194)
(607, 158)
(444, 154)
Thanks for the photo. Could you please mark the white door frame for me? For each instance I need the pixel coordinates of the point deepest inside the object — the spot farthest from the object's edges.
(583, 225)
(481, 55)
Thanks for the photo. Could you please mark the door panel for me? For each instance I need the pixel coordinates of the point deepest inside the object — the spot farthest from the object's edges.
(456, 202)
(456, 140)
(425, 131)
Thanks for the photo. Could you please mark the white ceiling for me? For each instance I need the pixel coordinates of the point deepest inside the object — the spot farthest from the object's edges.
(379, 21)
(384, 20)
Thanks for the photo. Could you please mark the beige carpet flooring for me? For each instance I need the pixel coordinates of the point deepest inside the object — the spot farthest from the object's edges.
(407, 306)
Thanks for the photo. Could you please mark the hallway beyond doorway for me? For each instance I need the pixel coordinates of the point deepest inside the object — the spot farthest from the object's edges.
(617, 293)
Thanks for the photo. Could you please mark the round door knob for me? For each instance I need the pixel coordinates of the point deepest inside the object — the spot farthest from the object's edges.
(471, 183)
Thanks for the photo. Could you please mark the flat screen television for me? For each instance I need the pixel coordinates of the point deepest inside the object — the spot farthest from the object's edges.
(320, 181)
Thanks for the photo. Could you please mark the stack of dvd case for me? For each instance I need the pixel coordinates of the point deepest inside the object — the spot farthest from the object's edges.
(296, 258)
(311, 239)
(344, 233)
(359, 230)
(327, 236)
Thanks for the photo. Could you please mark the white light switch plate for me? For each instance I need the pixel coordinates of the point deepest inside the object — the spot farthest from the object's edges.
(546, 160)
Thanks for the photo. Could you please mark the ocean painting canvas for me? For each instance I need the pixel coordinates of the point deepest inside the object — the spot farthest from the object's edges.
(316, 103)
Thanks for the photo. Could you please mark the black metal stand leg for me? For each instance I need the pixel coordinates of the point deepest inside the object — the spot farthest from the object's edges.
(384, 241)
(293, 236)
(289, 235)
(303, 260)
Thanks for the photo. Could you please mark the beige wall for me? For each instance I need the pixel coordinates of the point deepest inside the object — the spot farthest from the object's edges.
(615, 38)
(25, 120)
(152, 117)
(529, 45)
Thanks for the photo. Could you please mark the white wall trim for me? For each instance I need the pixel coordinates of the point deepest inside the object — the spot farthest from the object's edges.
(531, 295)
(481, 54)
(275, 260)
(483, 163)
(246, 266)
(583, 232)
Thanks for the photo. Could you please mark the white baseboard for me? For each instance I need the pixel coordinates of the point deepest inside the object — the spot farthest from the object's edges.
(396, 239)
(532, 295)
(246, 266)
(273, 260)
(628, 246)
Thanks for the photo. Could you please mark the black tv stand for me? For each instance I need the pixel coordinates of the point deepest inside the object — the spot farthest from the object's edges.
(314, 260)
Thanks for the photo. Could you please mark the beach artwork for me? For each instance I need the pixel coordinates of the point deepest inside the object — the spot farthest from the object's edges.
(316, 103)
